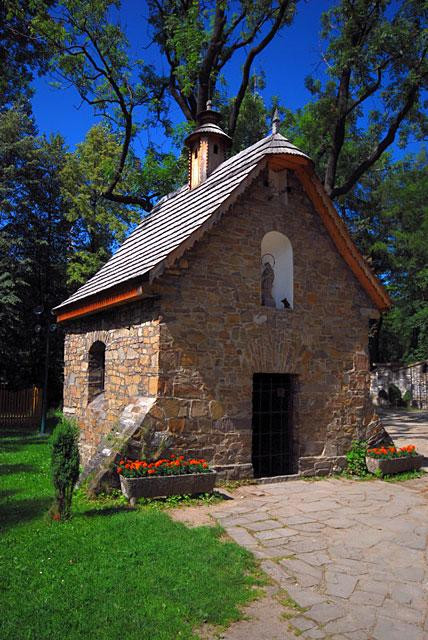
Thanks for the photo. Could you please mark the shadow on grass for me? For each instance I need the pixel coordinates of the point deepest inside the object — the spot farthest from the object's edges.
(12, 469)
(107, 511)
(11, 443)
(19, 511)
(8, 493)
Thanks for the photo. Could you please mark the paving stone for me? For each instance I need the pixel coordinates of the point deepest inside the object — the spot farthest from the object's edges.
(316, 558)
(411, 541)
(394, 630)
(352, 567)
(343, 551)
(366, 597)
(241, 536)
(298, 566)
(276, 572)
(366, 584)
(277, 542)
(407, 593)
(275, 533)
(301, 623)
(315, 634)
(263, 552)
(304, 597)
(325, 612)
(393, 609)
(339, 523)
(339, 584)
(319, 505)
(234, 522)
(350, 623)
(356, 635)
(362, 545)
(303, 544)
(311, 527)
(295, 518)
(412, 573)
(263, 525)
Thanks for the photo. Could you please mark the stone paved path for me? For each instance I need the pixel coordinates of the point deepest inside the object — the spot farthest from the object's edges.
(408, 427)
(352, 555)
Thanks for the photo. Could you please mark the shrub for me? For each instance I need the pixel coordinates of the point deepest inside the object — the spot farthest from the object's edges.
(356, 458)
(407, 398)
(65, 466)
(394, 396)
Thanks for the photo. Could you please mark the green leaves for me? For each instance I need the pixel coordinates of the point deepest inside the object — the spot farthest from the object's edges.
(375, 53)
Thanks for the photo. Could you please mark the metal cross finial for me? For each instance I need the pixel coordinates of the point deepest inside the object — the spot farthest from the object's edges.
(275, 121)
(209, 105)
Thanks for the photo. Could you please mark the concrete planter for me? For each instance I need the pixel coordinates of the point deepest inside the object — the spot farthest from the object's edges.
(164, 486)
(395, 465)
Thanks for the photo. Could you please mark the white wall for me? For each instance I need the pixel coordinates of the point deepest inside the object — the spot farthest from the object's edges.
(280, 247)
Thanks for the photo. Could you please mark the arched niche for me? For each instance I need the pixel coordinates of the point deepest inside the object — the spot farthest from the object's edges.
(277, 250)
(96, 369)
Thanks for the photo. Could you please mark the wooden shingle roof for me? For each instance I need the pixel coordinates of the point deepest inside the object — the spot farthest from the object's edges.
(180, 218)
(176, 217)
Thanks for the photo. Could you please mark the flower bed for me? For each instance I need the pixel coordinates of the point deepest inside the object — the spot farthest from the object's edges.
(390, 460)
(389, 453)
(165, 477)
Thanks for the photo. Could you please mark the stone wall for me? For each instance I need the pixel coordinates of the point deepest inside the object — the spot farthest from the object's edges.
(131, 336)
(412, 379)
(215, 335)
(199, 344)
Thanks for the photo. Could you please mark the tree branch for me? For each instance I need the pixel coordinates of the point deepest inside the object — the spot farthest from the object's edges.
(380, 147)
(236, 105)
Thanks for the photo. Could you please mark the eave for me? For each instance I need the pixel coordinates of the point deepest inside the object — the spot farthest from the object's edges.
(102, 303)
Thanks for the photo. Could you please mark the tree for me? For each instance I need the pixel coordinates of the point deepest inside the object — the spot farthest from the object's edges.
(375, 55)
(404, 332)
(197, 39)
(65, 461)
(34, 243)
(21, 50)
(98, 225)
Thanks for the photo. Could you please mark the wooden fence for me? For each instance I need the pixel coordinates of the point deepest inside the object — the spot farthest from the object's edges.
(20, 407)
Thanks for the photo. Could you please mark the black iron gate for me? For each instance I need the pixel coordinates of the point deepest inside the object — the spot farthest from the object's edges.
(272, 424)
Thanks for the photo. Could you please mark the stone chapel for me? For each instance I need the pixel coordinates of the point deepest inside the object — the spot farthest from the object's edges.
(232, 324)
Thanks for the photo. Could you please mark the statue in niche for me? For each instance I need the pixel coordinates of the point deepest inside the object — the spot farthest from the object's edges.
(268, 276)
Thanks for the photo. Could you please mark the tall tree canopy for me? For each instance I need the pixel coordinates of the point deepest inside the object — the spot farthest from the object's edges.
(34, 245)
(197, 40)
(21, 50)
(376, 71)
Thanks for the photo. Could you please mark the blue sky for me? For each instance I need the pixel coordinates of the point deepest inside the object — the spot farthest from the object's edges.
(292, 55)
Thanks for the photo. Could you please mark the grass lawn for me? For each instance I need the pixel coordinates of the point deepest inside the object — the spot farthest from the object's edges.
(109, 572)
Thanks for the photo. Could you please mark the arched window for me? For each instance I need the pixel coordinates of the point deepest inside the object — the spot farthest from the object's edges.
(277, 271)
(96, 369)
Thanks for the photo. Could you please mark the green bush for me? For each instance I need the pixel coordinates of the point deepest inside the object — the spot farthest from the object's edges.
(356, 458)
(65, 462)
(407, 398)
(394, 396)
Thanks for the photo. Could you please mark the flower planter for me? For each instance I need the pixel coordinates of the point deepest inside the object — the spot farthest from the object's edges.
(164, 486)
(394, 465)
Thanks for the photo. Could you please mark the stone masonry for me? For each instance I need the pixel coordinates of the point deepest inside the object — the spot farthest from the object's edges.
(195, 346)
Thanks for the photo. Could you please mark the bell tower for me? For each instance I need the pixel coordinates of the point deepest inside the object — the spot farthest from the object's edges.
(207, 146)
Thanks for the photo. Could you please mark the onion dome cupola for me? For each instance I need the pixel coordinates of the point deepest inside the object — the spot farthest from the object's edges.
(207, 146)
